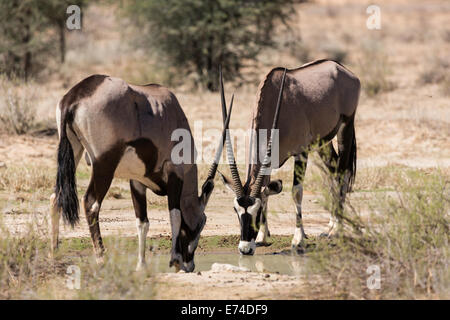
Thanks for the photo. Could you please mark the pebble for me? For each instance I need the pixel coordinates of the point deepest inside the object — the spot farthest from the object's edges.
(223, 267)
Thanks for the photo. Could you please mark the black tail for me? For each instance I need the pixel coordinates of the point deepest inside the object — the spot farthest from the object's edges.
(352, 161)
(66, 185)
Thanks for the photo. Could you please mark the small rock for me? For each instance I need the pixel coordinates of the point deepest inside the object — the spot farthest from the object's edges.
(199, 273)
(267, 275)
(223, 267)
(2, 165)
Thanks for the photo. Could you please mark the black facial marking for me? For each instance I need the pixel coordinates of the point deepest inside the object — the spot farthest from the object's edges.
(246, 201)
(247, 230)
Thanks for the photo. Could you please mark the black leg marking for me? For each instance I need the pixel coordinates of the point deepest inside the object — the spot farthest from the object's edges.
(297, 194)
(139, 197)
(297, 188)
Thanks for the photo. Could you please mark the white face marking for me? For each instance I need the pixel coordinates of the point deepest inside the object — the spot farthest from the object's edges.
(247, 246)
(240, 210)
(189, 266)
(193, 244)
(253, 210)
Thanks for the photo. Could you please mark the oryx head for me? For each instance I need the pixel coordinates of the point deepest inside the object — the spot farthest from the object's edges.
(250, 201)
(186, 233)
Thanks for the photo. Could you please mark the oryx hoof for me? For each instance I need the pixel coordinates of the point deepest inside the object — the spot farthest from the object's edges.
(100, 260)
(141, 266)
(100, 256)
(298, 249)
(330, 234)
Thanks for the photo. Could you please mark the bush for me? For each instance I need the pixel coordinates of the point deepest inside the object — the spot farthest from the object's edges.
(437, 72)
(335, 52)
(374, 68)
(198, 35)
(405, 234)
(17, 106)
(24, 263)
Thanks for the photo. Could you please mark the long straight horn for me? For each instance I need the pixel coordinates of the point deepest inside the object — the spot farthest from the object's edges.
(256, 190)
(213, 169)
(237, 184)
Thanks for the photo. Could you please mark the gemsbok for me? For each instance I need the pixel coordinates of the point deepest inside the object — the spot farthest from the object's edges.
(126, 131)
(308, 105)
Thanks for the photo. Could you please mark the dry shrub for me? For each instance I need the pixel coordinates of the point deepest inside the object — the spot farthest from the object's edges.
(334, 51)
(437, 72)
(28, 270)
(405, 235)
(24, 262)
(374, 69)
(297, 48)
(438, 69)
(17, 106)
(116, 278)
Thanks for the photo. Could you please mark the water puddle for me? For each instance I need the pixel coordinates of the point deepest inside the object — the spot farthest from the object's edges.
(264, 263)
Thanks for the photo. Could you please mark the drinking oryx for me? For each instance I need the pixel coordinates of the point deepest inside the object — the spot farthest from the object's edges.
(319, 101)
(126, 131)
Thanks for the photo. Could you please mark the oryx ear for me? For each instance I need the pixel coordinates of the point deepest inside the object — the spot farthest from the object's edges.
(226, 181)
(274, 187)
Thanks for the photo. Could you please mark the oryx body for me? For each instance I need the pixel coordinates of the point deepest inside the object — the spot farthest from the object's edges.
(318, 102)
(126, 131)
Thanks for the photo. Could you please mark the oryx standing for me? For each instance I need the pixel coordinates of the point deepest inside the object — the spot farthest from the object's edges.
(319, 101)
(126, 131)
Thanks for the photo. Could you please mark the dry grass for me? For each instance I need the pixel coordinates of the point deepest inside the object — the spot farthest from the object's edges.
(17, 109)
(374, 69)
(26, 179)
(406, 236)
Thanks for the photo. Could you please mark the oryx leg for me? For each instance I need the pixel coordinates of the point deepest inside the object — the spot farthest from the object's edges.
(139, 197)
(102, 176)
(55, 214)
(347, 150)
(173, 197)
(297, 194)
(338, 165)
(330, 159)
(263, 232)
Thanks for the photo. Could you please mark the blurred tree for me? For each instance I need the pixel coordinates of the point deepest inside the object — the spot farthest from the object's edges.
(28, 30)
(56, 13)
(20, 22)
(198, 35)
